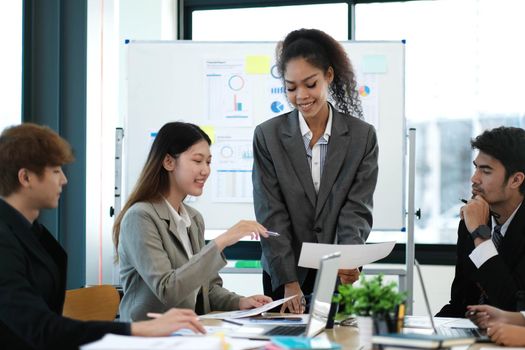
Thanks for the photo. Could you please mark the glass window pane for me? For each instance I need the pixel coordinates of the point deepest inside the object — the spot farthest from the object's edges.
(464, 73)
(269, 23)
(11, 63)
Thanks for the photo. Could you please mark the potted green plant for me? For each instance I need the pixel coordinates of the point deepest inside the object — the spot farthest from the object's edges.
(373, 302)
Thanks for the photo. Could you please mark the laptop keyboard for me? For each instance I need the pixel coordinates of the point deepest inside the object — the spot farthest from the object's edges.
(465, 332)
(287, 330)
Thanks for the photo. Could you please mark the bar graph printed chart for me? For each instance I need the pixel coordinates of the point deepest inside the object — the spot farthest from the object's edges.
(234, 185)
(233, 176)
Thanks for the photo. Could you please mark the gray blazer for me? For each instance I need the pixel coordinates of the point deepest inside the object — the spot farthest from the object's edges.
(284, 195)
(155, 270)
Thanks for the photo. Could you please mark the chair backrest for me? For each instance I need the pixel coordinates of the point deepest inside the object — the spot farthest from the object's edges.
(92, 303)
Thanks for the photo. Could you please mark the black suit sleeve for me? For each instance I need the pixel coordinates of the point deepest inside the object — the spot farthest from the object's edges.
(501, 282)
(464, 291)
(24, 314)
(500, 277)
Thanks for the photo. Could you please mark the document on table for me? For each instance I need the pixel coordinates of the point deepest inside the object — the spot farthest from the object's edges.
(352, 255)
(246, 313)
(274, 320)
(124, 342)
(450, 322)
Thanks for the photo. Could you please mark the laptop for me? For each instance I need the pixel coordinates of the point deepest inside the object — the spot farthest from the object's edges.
(319, 307)
(480, 334)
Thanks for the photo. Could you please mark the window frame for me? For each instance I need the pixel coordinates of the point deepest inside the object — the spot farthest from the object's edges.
(186, 11)
(429, 254)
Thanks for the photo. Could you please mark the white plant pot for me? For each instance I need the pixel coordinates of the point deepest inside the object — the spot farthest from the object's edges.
(365, 325)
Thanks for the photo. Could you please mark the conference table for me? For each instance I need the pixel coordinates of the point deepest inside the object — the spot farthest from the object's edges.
(348, 337)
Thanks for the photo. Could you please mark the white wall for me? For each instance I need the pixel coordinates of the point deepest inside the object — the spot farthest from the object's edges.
(438, 280)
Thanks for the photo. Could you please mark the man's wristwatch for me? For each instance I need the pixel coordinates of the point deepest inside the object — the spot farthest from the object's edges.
(483, 232)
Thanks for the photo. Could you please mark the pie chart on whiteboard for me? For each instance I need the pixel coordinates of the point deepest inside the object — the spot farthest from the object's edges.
(277, 107)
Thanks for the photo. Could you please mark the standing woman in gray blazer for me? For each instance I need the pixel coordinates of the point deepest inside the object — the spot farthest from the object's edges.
(164, 261)
(315, 168)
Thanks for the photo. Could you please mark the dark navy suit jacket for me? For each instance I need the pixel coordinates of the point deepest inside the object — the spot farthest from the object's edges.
(500, 277)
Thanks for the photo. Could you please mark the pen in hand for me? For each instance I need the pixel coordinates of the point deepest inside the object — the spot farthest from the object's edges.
(273, 234)
(495, 215)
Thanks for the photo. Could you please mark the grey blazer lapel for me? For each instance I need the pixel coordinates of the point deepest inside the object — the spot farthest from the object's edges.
(338, 147)
(164, 213)
(294, 146)
(193, 232)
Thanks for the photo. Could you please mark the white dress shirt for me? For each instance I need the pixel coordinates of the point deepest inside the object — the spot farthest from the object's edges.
(317, 154)
(182, 221)
(487, 249)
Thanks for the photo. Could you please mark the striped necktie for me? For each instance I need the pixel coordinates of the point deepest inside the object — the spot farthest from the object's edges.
(497, 237)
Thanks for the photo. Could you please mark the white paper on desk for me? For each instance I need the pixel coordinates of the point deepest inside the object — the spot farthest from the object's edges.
(125, 342)
(245, 344)
(210, 330)
(246, 313)
(450, 322)
(461, 323)
(352, 255)
(253, 322)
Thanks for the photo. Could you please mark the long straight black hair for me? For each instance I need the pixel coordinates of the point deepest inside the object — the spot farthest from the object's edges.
(173, 139)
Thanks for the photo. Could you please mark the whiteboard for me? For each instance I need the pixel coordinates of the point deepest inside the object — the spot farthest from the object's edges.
(229, 88)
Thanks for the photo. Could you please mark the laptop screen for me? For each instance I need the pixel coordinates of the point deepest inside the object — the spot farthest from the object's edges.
(323, 291)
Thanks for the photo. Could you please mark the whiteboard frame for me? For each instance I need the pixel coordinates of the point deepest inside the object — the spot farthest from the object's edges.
(376, 47)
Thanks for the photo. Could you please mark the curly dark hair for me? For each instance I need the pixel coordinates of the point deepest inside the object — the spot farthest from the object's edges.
(506, 144)
(322, 51)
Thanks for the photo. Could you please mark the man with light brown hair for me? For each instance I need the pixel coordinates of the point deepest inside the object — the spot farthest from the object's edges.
(33, 264)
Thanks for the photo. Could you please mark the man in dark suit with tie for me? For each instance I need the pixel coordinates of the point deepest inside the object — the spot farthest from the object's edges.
(490, 265)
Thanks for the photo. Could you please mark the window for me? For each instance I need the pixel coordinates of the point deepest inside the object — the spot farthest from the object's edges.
(11, 63)
(268, 23)
(110, 22)
(464, 74)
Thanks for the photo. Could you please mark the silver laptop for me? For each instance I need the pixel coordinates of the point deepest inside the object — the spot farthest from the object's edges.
(319, 307)
(479, 334)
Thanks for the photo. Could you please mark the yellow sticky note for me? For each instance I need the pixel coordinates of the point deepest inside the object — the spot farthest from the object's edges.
(210, 131)
(257, 65)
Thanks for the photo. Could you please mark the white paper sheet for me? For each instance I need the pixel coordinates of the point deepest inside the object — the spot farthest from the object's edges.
(246, 313)
(352, 255)
(424, 322)
(250, 321)
(245, 344)
(123, 342)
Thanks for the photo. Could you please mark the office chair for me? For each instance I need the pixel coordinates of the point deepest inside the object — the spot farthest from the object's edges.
(92, 303)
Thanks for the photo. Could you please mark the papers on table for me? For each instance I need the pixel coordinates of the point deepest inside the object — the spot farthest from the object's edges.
(275, 320)
(224, 329)
(352, 255)
(124, 342)
(450, 322)
(247, 313)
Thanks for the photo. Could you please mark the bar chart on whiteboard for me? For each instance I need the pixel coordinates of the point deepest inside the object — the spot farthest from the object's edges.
(232, 165)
